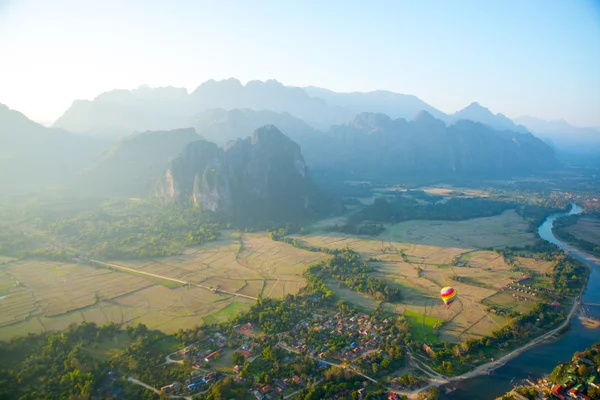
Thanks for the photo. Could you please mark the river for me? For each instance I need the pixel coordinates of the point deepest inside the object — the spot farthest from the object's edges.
(541, 359)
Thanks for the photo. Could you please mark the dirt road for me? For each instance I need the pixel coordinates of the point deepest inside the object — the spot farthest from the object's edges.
(137, 271)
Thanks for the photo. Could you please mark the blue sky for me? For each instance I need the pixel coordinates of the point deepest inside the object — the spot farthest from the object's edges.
(539, 58)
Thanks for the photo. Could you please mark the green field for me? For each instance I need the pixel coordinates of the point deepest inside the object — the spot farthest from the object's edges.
(225, 362)
(421, 326)
(107, 349)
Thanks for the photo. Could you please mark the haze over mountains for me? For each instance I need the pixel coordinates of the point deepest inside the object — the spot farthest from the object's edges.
(120, 112)
(357, 135)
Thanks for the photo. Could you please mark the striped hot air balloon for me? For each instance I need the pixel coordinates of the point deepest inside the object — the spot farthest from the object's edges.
(448, 295)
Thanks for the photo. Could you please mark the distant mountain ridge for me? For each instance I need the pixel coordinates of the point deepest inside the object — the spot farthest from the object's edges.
(395, 105)
(374, 145)
(120, 112)
(33, 157)
(221, 126)
(561, 133)
(477, 113)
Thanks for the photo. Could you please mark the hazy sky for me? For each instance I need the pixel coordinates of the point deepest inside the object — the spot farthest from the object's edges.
(540, 58)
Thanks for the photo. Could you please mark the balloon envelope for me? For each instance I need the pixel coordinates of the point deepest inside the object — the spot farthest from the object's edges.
(448, 295)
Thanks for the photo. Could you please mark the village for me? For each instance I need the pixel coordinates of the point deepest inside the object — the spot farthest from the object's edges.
(578, 379)
(340, 338)
(355, 342)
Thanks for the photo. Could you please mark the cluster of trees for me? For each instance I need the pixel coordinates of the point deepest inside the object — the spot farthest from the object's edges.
(536, 214)
(274, 316)
(456, 209)
(279, 236)
(353, 228)
(163, 231)
(347, 267)
(568, 274)
(560, 229)
(61, 365)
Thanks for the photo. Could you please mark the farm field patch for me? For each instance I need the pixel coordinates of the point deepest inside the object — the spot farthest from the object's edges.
(447, 253)
(351, 296)
(78, 293)
(422, 326)
(506, 229)
(587, 229)
(251, 264)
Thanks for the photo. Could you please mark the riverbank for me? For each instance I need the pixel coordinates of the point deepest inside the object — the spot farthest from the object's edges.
(534, 359)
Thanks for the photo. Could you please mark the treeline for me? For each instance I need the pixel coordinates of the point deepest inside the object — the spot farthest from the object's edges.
(538, 213)
(560, 229)
(347, 267)
(457, 209)
(353, 228)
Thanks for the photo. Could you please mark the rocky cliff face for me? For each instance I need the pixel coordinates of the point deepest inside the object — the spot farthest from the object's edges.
(262, 176)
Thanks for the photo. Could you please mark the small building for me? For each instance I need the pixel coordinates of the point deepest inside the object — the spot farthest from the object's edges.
(246, 353)
(212, 355)
(297, 380)
(558, 391)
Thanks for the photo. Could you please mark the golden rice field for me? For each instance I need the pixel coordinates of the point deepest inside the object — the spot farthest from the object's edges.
(417, 257)
(226, 276)
(38, 295)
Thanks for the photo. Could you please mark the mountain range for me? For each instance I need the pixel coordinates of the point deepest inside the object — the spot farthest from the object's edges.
(120, 112)
(124, 141)
(377, 146)
(562, 134)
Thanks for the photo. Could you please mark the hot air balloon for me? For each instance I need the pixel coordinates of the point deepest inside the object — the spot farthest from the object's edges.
(448, 295)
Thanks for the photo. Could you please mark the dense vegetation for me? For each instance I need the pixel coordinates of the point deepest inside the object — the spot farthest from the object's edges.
(348, 268)
(126, 230)
(568, 274)
(403, 209)
(60, 365)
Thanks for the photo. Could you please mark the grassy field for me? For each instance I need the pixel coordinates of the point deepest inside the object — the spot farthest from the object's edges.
(587, 229)
(251, 265)
(351, 296)
(506, 229)
(39, 295)
(225, 362)
(422, 326)
(418, 257)
(50, 296)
